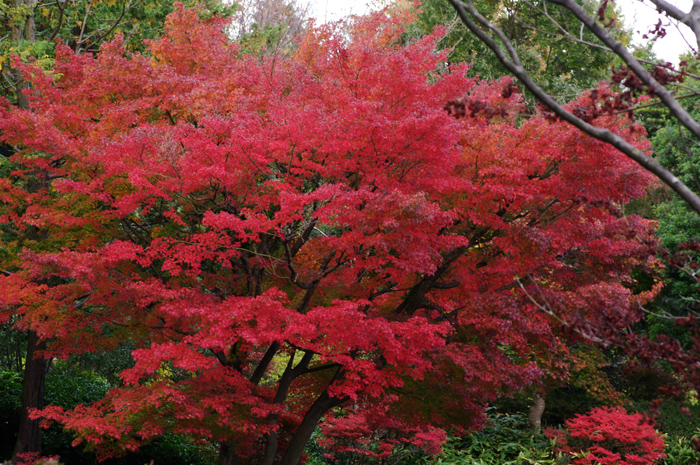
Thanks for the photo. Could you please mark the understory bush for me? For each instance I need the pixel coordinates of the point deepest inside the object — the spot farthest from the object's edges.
(679, 451)
(609, 436)
(10, 403)
(671, 420)
(506, 440)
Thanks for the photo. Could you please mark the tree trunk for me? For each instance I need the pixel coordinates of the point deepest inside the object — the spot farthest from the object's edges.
(29, 27)
(536, 411)
(28, 33)
(29, 435)
(301, 438)
(227, 454)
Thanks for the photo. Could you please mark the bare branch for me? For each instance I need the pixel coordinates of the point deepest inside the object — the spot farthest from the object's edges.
(511, 61)
(82, 29)
(116, 22)
(61, 11)
(690, 19)
(633, 64)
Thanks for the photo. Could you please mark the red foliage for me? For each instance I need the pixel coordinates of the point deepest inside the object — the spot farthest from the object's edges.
(35, 458)
(609, 436)
(283, 236)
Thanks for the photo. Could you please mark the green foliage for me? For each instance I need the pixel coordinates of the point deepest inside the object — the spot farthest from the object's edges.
(41, 50)
(643, 383)
(562, 403)
(562, 67)
(678, 151)
(10, 392)
(506, 440)
(68, 387)
(108, 364)
(679, 451)
(10, 404)
(260, 40)
(566, 402)
(169, 449)
(672, 421)
(269, 27)
(84, 26)
(13, 344)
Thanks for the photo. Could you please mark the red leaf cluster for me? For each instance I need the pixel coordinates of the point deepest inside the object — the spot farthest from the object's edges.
(609, 436)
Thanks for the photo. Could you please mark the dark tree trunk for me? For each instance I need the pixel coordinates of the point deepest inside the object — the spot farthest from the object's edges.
(29, 435)
(303, 434)
(227, 454)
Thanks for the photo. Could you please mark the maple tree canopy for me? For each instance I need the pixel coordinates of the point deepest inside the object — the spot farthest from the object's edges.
(305, 239)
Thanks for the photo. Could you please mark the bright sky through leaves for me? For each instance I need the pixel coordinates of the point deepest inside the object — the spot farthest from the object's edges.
(638, 16)
(641, 17)
(332, 10)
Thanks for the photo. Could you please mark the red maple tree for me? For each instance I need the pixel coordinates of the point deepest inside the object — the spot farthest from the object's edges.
(291, 238)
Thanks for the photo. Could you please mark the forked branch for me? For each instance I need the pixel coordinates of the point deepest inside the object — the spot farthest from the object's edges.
(507, 55)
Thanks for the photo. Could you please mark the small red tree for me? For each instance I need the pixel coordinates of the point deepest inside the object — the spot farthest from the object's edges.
(609, 436)
(283, 237)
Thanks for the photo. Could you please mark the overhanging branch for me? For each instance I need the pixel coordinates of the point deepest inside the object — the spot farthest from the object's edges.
(510, 60)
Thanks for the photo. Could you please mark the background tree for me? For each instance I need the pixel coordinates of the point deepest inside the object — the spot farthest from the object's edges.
(273, 26)
(29, 29)
(633, 84)
(562, 67)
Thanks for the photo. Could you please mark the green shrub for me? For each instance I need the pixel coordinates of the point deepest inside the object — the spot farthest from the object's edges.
(169, 449)
(67, 386)
(10, 393)
(643, 383)
(507, 440)
(10, 404)
(672, 421)
(679, 451)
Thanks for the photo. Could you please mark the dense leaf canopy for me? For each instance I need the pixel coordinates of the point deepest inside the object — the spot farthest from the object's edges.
(288, 238)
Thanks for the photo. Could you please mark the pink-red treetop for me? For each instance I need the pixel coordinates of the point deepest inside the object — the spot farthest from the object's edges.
(288, 239)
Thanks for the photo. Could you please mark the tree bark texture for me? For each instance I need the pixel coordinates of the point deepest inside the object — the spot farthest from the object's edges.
(29, 434)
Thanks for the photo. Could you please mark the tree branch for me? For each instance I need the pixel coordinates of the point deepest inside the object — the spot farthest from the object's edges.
(467, 10)
(690, 19)
(664, 94)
